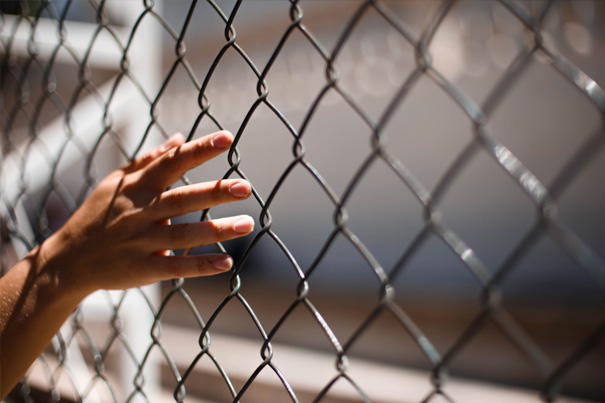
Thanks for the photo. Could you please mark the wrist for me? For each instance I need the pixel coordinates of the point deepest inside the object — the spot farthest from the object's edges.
(56, 271)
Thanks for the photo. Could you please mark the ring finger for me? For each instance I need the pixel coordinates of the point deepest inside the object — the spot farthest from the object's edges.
(190, 235)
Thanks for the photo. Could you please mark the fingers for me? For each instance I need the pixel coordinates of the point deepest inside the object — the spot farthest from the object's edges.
(169, 267)
(166, 170)
(143, 160)
(187, 199)
(183, 236)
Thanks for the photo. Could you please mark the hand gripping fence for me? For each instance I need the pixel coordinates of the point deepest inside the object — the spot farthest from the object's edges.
(427, 185)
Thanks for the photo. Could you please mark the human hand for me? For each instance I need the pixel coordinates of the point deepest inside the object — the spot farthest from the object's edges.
(119, 238)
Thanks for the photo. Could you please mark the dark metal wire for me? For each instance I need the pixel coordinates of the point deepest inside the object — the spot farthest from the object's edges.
(27, 103)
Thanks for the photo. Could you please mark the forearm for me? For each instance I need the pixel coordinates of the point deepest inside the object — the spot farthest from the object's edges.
(35, 304)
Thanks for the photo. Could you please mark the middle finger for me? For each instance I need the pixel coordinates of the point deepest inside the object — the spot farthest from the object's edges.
(200, 196)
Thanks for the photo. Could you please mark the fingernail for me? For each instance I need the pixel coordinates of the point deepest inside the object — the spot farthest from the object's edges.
(240, 189)
(244, 225)
(223, 262)
(172, 141)
(222, 140)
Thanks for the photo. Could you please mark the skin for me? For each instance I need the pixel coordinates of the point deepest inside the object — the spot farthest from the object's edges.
(119, 238)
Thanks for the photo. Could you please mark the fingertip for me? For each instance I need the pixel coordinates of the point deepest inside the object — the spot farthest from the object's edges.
(222, 139)
(244, 225)
(240, 189)
(221, 262)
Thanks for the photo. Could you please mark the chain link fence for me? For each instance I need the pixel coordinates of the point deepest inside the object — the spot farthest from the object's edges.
(427, 186)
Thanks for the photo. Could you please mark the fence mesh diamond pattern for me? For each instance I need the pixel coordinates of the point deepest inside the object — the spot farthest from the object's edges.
(426, 185)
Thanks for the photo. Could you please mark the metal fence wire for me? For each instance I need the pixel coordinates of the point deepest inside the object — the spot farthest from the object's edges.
(401, 135)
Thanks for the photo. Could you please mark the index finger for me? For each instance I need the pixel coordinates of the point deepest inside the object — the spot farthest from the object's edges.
(142, 161)
(167, 169)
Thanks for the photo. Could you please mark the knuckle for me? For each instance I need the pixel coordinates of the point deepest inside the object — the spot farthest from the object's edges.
(215, 229)
(174, 268)
(218, 192)
(171, 155)
(143, 159)
(171, 159)
(201, 265)
(176, 200)
(199, 152)
(180, 234)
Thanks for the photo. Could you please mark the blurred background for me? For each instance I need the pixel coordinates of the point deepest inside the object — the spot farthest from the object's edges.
(342, 216)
